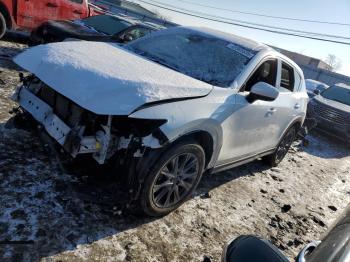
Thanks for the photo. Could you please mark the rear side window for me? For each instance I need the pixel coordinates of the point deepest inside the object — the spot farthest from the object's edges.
(287, 77)
(77, 1)
(106, 24)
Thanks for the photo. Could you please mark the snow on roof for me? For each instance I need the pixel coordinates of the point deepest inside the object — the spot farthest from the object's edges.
(244, 42)
(343, 85)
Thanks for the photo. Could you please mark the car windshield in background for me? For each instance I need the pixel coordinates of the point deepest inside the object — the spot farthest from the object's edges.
(337, 93)
(208, 59)
(106, 24)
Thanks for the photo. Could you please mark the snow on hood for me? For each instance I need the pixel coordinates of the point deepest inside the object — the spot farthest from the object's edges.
(105, 78)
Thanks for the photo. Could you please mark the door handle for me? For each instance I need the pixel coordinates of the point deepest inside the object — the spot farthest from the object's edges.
(51, 5)
(77, 12)
(272, 109)
(296, 106)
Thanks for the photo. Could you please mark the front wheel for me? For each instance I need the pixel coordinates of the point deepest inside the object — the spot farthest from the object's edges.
(282, 148)
(172, 179)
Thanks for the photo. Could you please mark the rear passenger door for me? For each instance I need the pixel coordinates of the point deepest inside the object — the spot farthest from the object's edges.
(289, 102)
(32, 13)
(73, 9)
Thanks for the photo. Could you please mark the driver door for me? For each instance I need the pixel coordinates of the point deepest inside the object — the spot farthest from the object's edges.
(251, 127)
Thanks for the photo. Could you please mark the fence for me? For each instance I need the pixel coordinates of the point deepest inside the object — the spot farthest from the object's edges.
(325, 76)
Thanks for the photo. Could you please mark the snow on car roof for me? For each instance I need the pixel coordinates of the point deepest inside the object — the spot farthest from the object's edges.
(244, 42)
(343, 85)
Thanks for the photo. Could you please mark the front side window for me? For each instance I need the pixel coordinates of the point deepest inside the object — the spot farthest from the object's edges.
(209, 59)
(337, 93)
(287, 78)
(266, 72)
(106, 24)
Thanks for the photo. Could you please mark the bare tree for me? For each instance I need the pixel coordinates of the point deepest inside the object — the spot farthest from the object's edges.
(333, 62)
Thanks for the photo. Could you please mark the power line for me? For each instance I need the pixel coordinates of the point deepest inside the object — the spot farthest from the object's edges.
(268, 16)
(246, 26)
(254, 24)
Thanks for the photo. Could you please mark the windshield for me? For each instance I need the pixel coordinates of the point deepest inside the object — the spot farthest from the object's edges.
(205, 58)
(106, 24)
(337, 93)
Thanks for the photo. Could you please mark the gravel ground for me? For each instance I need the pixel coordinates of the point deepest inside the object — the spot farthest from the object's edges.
(50, 215)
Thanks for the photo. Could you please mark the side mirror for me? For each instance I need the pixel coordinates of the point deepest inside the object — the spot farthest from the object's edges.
(262, 91)
(317, 92)
(252, 249)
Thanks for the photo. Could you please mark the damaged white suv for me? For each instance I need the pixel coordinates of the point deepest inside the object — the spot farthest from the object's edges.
(166, 107)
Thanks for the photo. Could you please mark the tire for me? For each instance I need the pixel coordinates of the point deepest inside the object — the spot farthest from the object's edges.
(282, 149)
(3, 25)
(164, 189)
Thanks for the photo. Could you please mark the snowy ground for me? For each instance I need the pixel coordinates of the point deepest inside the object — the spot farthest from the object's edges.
(47, 214)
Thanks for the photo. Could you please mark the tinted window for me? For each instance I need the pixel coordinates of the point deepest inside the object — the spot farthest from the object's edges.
(266, 72)
(287, 77)
(337, 93)
(77, 1)
(205, 58)
(106, 24)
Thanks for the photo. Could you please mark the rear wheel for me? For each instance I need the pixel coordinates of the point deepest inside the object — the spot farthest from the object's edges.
(2, 25)
(173, 179)
(282, 148)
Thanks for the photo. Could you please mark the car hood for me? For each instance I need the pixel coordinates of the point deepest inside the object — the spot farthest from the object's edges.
(71, 29)
(334, 104)
(105, 78)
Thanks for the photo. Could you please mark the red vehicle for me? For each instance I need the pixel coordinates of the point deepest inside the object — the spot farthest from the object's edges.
(29, 14)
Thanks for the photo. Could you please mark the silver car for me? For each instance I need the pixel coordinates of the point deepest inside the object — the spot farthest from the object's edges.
(331, 110)
(167, 107)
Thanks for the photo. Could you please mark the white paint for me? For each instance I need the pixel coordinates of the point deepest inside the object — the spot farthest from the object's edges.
(265, 90)
(106, 79)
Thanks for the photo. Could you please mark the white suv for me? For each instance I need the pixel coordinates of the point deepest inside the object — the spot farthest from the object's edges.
(167, 107)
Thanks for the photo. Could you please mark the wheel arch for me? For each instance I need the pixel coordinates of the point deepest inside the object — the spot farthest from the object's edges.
(204, 139)
(297, 123)
(5, 12)
(207, 133)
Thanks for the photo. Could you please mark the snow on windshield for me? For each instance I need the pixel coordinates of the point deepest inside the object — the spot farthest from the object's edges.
(206, 58)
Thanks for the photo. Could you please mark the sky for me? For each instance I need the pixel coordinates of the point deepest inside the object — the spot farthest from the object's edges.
(324, 10)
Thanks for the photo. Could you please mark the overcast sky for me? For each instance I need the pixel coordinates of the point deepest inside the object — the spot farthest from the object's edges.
(325, 10)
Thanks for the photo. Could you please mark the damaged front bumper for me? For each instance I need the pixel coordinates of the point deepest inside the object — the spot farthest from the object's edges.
(71, 139)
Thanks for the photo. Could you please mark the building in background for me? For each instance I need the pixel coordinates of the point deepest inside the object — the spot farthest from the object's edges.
(314, 68)
(303, 60)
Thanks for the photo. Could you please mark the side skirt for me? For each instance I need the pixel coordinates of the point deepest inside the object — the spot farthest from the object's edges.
(243, 161)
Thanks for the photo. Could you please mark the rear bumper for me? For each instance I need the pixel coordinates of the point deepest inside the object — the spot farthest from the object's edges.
(57, 129)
